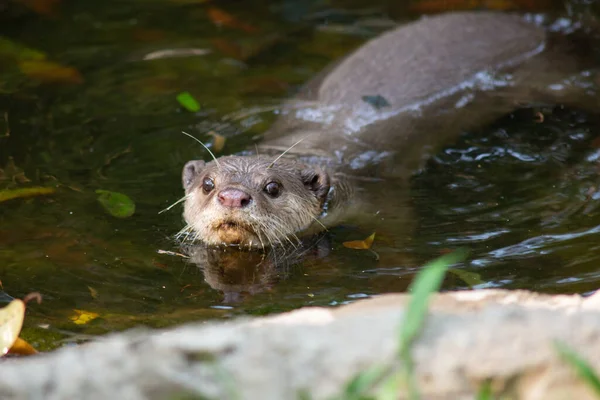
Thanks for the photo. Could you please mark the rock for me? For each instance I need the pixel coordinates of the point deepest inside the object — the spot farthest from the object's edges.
(470, 337)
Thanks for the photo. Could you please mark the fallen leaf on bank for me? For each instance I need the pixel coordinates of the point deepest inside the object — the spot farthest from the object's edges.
(221, 17)
(10, 194)
(22, 348)
(218, 141)
(116, 204)
(360, 244)
(188, 102)
(49, 71)
(82, 317)
(11, 322)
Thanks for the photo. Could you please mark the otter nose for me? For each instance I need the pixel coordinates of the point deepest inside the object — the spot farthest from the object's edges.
(234, 198)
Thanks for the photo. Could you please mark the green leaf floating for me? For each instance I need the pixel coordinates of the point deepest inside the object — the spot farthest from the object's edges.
(188, 102)
(116, 204)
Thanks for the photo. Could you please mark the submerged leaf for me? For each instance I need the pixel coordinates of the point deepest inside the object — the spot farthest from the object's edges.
(93, 292)
(19, 52)
(470, 278)
(82, 317)
(116, 204)
(360, 244)
(218, 141)
(11, 322)
(48, 71)
(44, 7)
(221, 17)
(10, 194)
(188, 102)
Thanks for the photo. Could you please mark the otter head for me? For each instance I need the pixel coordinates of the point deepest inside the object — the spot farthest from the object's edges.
(249, 201)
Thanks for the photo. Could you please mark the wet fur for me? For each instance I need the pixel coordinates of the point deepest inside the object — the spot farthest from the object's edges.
(265, 221)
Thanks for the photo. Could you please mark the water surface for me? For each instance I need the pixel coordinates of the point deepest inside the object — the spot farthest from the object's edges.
(522, 195)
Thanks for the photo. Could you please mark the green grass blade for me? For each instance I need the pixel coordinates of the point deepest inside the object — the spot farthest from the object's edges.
(362, 383)
(485, 391)
(581, 366)
(427, 282)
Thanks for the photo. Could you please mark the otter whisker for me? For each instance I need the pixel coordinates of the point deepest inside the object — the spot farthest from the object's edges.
(184, 198)
(186, 229)
(319, 222)
(260, 225)
(207, 149)
(288, 149)
(279, 227)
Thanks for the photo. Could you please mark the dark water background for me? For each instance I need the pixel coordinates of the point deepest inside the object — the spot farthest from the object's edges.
(522, 195)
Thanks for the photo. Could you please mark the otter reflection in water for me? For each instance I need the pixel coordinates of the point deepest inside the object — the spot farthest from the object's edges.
(379, 113)
(236, 273)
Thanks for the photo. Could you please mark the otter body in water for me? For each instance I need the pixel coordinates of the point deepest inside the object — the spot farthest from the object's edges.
(378, 113)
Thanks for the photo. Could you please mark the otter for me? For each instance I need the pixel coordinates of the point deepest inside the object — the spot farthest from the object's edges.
(378, 114)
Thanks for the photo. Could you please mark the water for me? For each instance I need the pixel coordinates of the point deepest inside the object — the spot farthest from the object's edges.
(522, 195)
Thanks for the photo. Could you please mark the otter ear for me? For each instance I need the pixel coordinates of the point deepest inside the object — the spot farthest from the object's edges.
(190, 170)
(317, 181)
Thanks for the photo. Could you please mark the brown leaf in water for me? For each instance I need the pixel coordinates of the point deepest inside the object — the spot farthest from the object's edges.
(50, 72)
(360, 244)
(22, 348)
(148, 35)
(218, 141)
(93, 292)
(229, 48)
(190, 1)
(595, 144)
(10, 194)
(245, 49)
(265, 85)
(11, 322)
(44, 7)
(220, 17)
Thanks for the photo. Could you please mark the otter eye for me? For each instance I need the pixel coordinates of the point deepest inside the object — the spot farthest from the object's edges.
(208, 185)
(273, 189)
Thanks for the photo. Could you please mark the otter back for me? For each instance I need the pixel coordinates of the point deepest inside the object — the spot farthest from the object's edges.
(409, 91)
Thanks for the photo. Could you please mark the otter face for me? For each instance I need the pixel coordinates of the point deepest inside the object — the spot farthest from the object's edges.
(247, 201)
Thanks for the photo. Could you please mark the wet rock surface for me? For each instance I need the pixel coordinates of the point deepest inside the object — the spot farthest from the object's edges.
(469, 337)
